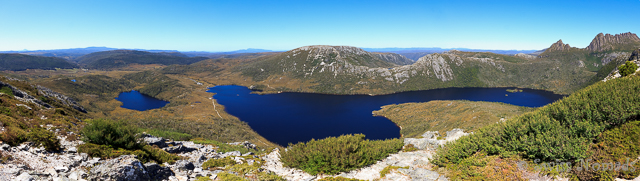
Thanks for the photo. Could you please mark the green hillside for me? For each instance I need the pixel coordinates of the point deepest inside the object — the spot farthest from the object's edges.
(17, 62)
(22, 118)
(122, 58)
(568, 130)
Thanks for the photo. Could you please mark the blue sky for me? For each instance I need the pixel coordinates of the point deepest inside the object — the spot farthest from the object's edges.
(282, 25)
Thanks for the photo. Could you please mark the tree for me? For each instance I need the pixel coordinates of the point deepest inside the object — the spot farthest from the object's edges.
(628, 68)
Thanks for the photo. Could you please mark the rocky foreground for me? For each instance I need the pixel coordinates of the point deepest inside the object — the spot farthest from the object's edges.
(27, 162)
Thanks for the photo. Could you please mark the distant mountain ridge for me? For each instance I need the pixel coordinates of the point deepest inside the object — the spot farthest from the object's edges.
(121, 58)
(17, 62)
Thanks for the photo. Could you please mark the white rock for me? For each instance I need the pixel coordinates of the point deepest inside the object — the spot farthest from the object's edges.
(25, 177)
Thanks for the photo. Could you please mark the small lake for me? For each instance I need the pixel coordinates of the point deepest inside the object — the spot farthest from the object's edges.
(298, 117)
(137, 101)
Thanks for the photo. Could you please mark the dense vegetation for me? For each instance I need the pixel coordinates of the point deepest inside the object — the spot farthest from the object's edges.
(109, 139)
(333, 155)
(628, 68)
(121, 58)
(559, 131)
(442, 116)
(18, 62)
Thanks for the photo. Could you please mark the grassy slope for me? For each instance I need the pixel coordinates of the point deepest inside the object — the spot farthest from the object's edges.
(442, 116)
(564, 130)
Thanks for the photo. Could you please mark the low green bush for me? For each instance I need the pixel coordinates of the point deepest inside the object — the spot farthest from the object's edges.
(116, 134)
(221, 162)
(388, 170)
(146, 154)
(409, 148)
(628, 68)
(160, 156)
(230, 177)
(333, 155)
(13, 135)
(6, 90)
(613, 146)
(45, 138)
(104, 151)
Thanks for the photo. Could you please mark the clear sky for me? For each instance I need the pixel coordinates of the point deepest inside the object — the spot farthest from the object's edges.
(211, 25)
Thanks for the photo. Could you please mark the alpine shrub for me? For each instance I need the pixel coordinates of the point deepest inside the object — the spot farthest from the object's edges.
(333, 155)
(113, 133)
(44, 137)
(628, 68)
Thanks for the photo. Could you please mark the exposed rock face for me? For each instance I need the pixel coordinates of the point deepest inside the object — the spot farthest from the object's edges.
(440, 67)
(342, 55)
(635, 56)
(394, 58)
(23, 96)
(558, 46)
(527, 56)
(125, 167)
(31, 163)
(604, 42)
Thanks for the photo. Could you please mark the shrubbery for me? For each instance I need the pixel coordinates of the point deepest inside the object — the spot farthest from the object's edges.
(109, 139)
(116, 134)
(338, 154)
(222, 162)
(628, 68)
(562, 130)
(44, 137)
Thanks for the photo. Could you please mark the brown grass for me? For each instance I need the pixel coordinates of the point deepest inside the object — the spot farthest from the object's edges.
(442, 116)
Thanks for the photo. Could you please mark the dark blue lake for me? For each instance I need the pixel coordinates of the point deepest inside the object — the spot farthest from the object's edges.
(298, 117)
(137, 101)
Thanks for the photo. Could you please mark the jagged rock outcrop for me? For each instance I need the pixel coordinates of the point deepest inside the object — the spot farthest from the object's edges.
(24, 96)
(558, 46)
(635, 56)
(48, 93)
(604, 42)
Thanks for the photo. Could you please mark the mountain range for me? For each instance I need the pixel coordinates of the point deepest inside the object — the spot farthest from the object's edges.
(350, 70)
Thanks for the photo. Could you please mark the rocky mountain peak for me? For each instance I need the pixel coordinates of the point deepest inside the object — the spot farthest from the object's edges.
(603, 42)
(558, 46)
